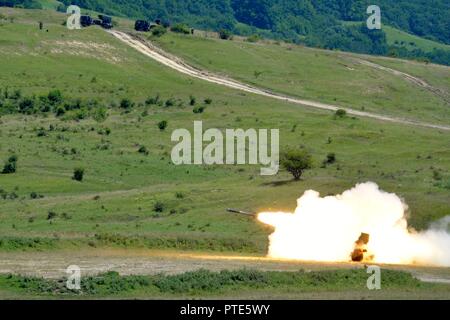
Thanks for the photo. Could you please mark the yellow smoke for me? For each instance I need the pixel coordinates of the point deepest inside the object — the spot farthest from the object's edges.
(325, 229)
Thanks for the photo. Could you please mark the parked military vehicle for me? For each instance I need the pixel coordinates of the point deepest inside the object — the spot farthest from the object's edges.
(102, 21)
(86, 21)
(142, 26)
(106, 21)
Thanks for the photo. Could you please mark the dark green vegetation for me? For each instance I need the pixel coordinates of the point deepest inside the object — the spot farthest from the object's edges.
(319, 23)
(203, 283)
(129, 196)
(28, 4)
(296, 162)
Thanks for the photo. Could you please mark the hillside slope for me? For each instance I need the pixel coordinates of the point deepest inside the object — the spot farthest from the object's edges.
(135, 197)
(329, 77)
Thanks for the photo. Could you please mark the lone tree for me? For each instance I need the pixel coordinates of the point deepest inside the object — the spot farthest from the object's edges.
(162, 125)
(78, 174)
(296, 162)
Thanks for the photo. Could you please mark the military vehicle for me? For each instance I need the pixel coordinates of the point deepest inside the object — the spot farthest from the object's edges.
(86, 21)
(102, 21)
(106, 21)
(142, 26)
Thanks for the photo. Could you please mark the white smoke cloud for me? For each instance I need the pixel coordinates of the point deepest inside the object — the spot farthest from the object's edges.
(325, 229)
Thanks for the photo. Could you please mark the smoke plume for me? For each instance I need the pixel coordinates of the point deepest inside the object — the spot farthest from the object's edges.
(325, 229)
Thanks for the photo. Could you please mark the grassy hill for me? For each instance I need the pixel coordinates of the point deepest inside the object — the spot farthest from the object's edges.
(331, 77)
(135, 199)
(115, 204)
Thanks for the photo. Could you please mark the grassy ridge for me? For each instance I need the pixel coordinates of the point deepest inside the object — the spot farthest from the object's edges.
(116, 200)
(324, 76)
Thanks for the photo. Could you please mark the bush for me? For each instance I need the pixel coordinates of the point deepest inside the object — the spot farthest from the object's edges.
(158, 31)
(162, 125)
(437, 175)
(225, 34)
(296, 162)
(26, 106)
(51, 215)
(179, 195)
(159, 207)
(54, 97)
(170, 102)
(208, 101)
(181, 28)
(152, 100)
(331, 158)
(10, 165)
(78, 174)
(253, 38)
(199, 109)
(126, 104)
(340, 113)
(192, 100)
(143, 150)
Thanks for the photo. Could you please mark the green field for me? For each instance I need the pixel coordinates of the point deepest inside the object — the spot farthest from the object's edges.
(115, 205)
(325, 76)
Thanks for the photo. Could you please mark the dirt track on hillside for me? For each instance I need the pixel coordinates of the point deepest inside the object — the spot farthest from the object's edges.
(179, 65)
(53, 264)
(414, 80)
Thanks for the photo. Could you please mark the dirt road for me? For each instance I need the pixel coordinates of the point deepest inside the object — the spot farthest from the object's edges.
(177, 64)
(147, 262)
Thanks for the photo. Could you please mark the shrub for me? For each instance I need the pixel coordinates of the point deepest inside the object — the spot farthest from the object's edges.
(331, 158)
(225, 34)
(10, 165)
(179, 195)
(34, 195)
(60, 111)
(296, 162)
(54, 97)
(159, 207)
(170, 102)
(192, 100)
(152, 100)
(100, 114)
(199, 109)
(78, 174)
(208, 101)
(340, 113)
(143, 150)
(41, 133)
(181, 28)
(26, 106)
(158, 31)
(126, 104)
(51, 215)
(253, 38)
(162, 125)
(437, 175)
